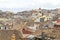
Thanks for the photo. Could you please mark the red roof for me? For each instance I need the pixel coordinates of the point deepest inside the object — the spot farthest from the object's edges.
(57, 26)
(58, 20)
(26, 31)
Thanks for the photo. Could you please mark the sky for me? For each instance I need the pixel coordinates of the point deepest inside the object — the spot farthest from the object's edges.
(21, 5)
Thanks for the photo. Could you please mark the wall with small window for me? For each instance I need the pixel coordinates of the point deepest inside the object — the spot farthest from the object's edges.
(4, 28)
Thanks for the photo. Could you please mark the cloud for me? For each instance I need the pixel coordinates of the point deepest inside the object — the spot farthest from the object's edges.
(28, 4)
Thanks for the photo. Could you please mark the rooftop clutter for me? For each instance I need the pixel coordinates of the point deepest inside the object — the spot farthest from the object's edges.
(32, 22)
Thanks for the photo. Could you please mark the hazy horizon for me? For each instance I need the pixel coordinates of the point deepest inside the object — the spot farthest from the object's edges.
(22, 5)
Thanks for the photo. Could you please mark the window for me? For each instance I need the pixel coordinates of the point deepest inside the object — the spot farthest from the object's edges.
(5, 27)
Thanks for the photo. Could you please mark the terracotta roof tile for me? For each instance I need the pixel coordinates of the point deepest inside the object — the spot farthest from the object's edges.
(58, 20)
(26, 31)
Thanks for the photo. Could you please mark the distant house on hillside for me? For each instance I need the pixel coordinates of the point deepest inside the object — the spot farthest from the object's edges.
(57, 23)
(3, 27)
